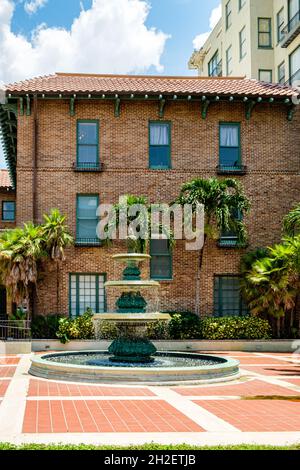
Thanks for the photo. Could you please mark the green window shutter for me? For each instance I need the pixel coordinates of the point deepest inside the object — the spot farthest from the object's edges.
(161, 260)
(8, 211)
(86, 291)
(230, 146)
(87, 144)
(159, 145)
(265, 33)
(228, 301)
(87, 220)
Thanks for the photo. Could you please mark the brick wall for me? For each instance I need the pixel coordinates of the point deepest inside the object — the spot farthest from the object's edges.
(270, 149)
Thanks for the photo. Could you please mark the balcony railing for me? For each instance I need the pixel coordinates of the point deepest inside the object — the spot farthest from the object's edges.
(87, 166)
(15, 330)
(290, 31)
(87, 242)
(294, 78)
(228, 242)
(228, 170)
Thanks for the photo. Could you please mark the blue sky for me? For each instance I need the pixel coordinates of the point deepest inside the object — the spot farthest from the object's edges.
(107, 36)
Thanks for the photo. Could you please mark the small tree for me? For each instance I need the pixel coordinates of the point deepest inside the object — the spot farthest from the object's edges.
(22, 250)
(221, 200)
(277, 281)
(291, 223)
(137, 244)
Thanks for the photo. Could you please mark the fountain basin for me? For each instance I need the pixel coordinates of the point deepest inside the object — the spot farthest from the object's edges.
(136, 257)
(132, 317)
(167, 369)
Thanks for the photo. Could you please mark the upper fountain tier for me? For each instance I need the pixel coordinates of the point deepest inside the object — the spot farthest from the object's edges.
(131, 276)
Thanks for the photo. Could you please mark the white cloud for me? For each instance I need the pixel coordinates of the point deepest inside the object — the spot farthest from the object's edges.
(215, 16)
(110, 37)
(34, 5)
(200, 40)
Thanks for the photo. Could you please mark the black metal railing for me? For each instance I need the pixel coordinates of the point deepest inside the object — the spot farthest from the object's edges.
(87, 166)
(290, 30)
(293, 78)
(88, 242)
(229, 169)
(15, 330)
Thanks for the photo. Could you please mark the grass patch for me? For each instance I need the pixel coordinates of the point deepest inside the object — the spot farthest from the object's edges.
(147, 447)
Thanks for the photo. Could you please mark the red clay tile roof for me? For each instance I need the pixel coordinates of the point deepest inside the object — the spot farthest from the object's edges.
(4, 179)
(124, 84)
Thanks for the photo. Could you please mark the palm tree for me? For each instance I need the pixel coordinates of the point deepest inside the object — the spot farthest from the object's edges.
(22, 250)
(221, 200)
(134, 244)
(277, 281)
(56, 238)
(291, 223)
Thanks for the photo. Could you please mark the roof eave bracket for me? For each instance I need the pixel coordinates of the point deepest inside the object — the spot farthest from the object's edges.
(204, 108)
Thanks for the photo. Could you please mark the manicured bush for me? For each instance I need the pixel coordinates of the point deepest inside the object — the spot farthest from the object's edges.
(76, 328)
(45, 327)
(106, 330)
(185, 325)
(158, 330)
(235, 328)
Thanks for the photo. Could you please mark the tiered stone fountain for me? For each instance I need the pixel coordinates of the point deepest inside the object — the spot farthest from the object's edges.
(132, 318)
(132, 358)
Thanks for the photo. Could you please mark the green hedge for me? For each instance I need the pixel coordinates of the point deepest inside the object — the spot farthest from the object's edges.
(235, 328)
(45, 326)
(76, 328)
(185, 326)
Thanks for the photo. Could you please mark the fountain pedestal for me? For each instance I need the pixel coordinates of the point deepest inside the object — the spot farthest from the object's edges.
(131, 318)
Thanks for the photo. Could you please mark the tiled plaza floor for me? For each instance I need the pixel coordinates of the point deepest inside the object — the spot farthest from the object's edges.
(263, 406)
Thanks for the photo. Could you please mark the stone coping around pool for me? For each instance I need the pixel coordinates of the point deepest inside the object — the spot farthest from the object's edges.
(225, 370)
(275, 345)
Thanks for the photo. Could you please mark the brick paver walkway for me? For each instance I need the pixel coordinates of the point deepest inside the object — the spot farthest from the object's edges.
(262, 406)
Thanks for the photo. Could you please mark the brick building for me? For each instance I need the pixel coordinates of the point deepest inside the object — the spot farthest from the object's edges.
(7, 221)
(73, 140)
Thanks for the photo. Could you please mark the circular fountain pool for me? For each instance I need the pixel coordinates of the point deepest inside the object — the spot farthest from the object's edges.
(167, 368)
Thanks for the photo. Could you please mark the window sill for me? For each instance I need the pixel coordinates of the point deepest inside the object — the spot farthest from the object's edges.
(89, 242)
(228, 170)
(87, 168)
(160, 168)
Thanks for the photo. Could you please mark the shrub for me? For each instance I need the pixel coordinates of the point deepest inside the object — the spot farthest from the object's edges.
(45, 327)
(158, 330)
(184, 326)
(107, 330)
(78, 328)
(235, 328)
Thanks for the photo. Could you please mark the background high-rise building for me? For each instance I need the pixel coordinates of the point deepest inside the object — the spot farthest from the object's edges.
(254, 38)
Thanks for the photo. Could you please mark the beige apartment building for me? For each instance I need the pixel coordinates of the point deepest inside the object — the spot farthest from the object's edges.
(254, 38)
